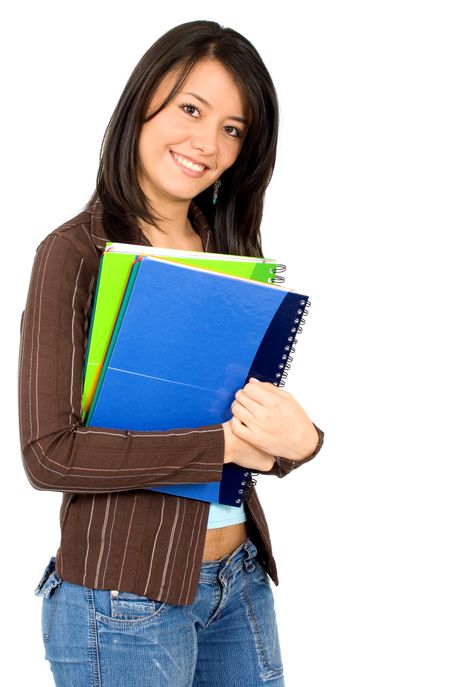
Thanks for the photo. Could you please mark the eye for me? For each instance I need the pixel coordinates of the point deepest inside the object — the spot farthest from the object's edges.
(233, 131)
(188, 108)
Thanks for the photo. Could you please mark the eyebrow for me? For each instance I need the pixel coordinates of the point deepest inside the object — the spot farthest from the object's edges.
(235, 118)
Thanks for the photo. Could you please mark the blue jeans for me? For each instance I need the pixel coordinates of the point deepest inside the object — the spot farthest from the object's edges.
(226, 637)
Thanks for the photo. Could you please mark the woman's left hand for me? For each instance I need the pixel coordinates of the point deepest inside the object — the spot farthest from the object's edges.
(271, 419)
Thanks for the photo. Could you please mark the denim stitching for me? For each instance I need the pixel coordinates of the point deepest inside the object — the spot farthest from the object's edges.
(140, 622)
(268, 673)
(93, 640)
(51, 599)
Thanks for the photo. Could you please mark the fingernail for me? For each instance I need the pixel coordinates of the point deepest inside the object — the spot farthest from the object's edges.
(253, 379)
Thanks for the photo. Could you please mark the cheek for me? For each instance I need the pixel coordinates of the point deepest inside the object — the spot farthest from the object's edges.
(166, 130)
(229, 153)
(153, 146)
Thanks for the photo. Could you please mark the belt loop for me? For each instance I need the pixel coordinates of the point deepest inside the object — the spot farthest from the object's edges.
(250, 553)
(249, 564)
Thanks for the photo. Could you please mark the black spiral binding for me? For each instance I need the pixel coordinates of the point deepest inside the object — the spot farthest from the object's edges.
(281, 376)
(277, 279)
(248, 485)
(289, 348)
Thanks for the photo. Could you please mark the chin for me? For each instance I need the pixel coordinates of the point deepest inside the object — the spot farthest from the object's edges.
(183, 195)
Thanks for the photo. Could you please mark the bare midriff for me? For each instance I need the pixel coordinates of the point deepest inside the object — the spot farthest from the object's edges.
(221, 541)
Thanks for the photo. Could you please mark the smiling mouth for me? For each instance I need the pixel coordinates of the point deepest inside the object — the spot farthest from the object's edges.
(187, 164)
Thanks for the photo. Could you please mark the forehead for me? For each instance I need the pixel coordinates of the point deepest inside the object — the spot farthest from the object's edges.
(211, 80)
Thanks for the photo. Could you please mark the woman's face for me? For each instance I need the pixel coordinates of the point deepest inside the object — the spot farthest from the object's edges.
(196, 137)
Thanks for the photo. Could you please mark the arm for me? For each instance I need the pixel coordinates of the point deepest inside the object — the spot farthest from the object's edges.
(59, 454)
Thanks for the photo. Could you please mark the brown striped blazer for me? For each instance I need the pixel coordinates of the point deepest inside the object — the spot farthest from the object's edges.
(114, 534)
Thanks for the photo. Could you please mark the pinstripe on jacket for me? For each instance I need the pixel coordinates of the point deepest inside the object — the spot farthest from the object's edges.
(114, 534)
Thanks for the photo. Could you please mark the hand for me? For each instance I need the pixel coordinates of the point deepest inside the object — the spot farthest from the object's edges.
(270, 419)
(244, 454)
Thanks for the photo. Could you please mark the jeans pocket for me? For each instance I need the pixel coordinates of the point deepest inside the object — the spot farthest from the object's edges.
(128, 609)
(128, 606)
(47, 589)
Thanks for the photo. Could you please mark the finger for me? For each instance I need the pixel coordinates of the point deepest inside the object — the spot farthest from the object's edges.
(252, 381)
(238, 428)
(251, 404)
(242, 413)
(264, 391)
(259, 393)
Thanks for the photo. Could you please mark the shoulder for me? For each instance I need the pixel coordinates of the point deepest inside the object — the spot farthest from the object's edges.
(81, 236)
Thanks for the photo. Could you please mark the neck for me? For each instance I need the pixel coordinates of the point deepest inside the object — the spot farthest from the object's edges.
(174, 227)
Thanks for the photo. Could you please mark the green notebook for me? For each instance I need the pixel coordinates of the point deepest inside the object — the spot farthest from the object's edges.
(115, 267)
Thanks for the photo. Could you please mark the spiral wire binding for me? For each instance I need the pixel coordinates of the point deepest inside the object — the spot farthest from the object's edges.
(290, 347)
(277, 279)
(249, 485)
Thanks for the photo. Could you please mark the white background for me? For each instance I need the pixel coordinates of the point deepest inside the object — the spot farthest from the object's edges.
(358, 209)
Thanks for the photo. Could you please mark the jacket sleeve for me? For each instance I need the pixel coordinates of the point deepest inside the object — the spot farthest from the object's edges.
(283, 466)
(59, 453)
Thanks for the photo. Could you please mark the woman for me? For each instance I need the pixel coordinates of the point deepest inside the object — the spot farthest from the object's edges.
(150, 589)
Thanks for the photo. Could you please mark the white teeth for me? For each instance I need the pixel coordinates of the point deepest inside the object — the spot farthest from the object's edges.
(188, 163)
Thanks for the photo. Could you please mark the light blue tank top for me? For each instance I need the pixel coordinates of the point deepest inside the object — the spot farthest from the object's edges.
(222, 516)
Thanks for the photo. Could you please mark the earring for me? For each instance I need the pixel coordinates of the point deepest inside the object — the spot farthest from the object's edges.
(216, 191)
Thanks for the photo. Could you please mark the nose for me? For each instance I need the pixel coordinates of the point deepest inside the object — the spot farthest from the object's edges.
(205, 139)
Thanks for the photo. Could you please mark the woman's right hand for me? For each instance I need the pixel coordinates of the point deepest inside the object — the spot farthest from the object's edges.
(244, 454)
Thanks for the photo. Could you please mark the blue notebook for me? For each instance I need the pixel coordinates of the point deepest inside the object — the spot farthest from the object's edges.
(185, 341)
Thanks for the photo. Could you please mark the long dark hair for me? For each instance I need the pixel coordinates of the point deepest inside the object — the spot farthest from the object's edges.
(236, 218)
